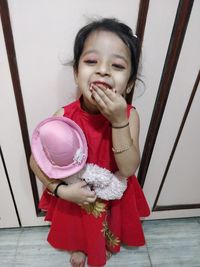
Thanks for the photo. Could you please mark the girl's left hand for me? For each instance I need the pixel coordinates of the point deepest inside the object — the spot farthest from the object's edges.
(110, 103)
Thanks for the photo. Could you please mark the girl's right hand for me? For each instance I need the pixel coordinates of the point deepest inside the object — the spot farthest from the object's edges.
(77, 193)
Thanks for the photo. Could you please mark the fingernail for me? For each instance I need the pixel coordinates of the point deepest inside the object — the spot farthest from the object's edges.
(93, 86)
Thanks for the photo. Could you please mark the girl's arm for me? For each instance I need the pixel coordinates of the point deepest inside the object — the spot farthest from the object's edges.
(75, 192)
(126, 145)
(44, 179)
(124, 140)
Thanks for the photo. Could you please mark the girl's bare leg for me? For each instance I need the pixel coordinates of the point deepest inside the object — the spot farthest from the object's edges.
(108, 255)
(77, 259)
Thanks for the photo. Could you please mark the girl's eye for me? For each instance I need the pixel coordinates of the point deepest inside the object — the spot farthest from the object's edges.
(90, 61)
(118, 66)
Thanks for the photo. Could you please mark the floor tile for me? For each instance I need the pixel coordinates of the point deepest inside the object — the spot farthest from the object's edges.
(170, 243)
(129, 257)
(9, 239)
(34, 251)
(173, 243)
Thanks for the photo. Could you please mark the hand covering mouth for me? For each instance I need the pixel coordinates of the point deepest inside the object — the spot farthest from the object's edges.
(106, 85)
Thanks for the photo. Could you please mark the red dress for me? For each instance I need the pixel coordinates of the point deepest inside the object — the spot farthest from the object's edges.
(113, 222)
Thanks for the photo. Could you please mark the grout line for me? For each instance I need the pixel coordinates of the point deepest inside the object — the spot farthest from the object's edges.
(198, 220)
(149, 255)
(17, 246)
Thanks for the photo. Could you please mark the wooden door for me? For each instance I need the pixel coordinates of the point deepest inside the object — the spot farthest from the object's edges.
(169, 168)
(35, 82)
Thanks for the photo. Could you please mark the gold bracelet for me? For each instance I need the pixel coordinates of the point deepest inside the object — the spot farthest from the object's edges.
(51, 182)
(123, 149)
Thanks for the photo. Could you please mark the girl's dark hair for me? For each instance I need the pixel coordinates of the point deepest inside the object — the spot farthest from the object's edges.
(113, 25)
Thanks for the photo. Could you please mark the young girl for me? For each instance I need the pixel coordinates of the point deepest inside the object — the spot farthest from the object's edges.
(105, 66)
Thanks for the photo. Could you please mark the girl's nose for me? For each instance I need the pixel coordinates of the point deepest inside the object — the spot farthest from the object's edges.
(103, 70)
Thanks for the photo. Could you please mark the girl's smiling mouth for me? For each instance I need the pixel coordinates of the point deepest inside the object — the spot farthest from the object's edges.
(106, 85)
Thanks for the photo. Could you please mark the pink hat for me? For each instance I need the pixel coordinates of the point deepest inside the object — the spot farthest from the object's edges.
(59, 147)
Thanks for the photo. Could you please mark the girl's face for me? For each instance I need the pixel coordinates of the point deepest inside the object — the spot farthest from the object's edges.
(106, 60)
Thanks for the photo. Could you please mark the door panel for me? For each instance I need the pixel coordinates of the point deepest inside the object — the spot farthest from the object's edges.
(182, 181)
(177, 185)
(12, 146)
(8, 216)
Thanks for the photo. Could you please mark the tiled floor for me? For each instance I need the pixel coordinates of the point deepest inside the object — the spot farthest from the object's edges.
(170, 243)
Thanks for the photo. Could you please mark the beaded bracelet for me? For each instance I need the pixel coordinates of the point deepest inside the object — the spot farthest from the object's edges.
(119, 127)
(55, 191)
(49, 183)
(123, 149)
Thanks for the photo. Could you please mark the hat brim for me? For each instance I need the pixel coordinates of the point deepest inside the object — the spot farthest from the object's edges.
(51, 170)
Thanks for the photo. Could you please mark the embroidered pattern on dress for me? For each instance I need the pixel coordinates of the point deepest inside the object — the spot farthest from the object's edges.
(95, 208)
(111, 239)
